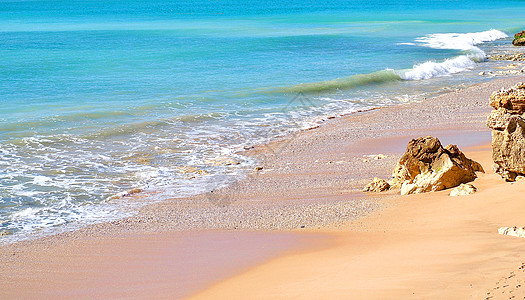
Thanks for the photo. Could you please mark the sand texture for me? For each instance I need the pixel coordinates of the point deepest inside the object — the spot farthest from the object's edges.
(426, 246)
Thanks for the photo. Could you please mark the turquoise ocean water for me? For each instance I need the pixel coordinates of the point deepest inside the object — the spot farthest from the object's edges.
(99, 97)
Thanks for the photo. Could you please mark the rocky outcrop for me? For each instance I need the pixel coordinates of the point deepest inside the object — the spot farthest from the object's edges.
(377, 185)
(507, 122)
(512, 231)
(463, 189)
(519, 39)
(428, 166)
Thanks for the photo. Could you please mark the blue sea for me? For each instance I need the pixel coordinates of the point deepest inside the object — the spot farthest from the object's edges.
(100, 97)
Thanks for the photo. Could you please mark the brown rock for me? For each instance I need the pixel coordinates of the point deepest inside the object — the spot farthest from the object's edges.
(377, 185)
(519, 39)
(519, 42)
(507, 122)
(427, 166)
(512, 99)
(498, 119)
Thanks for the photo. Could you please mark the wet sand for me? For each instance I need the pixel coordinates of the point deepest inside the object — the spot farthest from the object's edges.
(159, 266)
(307, 184)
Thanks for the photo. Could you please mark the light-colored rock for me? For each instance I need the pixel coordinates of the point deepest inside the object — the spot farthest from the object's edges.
(221, 161)
(498, 119)
(512, 57)
(426, 166)
(374, 157)
(379, 156)
(507, 122)
(126, 193)
(189, 170)
(377, 185)
(512, 231)
(512, 99)
(463, 190)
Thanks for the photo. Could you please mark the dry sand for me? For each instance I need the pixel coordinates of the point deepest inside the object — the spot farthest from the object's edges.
(425, 246)
(429, 246)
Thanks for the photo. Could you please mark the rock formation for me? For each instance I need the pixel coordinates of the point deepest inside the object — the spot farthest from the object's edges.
(463, 190)
(519, 39)
(507, 122)
(512, 231)
(427, 166)
(377, 185)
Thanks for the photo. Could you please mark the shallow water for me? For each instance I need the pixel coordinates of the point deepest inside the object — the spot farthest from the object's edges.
(99, 97)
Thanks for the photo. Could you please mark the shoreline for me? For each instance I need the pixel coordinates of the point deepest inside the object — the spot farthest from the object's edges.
(308, 182)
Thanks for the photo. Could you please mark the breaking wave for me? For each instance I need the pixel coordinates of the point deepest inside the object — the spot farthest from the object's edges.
(460, 41)
(454, 41)
(465, 42)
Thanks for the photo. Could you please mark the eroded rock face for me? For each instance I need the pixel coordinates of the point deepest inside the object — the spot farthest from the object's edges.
(507, 122)
(377, 185)
(428, 166)
(513, 99)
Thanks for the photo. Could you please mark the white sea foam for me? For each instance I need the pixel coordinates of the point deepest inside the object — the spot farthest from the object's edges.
(431, 69)
(460, 41)
(454, 41)
(41, 180)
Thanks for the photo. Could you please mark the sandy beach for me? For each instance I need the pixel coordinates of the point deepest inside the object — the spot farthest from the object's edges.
(428, 246)
(298, 226)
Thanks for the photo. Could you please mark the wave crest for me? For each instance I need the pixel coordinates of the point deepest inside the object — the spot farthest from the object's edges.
(343, 83)
(460, 41)
(431, 69)
(453, 41)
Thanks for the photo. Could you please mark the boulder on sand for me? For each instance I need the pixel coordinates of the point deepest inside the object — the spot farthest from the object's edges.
(377, 185)
(463, 189)
(507, 122)
(428, 166)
